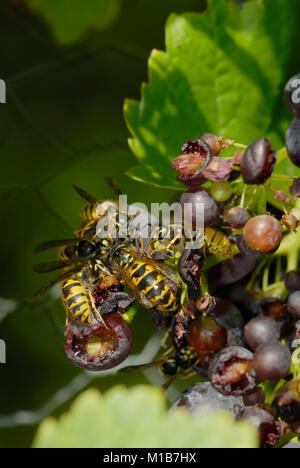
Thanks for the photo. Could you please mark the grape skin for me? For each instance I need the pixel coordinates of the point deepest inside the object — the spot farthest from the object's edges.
(261, 330)
(196, 197)
(202, 398)
(294, 304)
(237, 217)
(263, 233)
(272, 361)
(231, 371)
(117, 341)
(292, 140)
(228, 316)
(258, 162)
(264, 421)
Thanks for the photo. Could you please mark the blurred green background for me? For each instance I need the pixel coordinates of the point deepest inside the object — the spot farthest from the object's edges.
(62, 125)
(68, 66)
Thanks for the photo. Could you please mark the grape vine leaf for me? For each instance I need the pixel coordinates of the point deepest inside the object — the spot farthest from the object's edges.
(95, 14)
(97, 420)
(222, 72)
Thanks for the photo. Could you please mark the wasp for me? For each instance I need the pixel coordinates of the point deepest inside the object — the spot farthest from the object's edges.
(217, 243)
(103, 219)
(81, 271)
(153, 284)
(95, 212)
(182, 362)
(211, 240)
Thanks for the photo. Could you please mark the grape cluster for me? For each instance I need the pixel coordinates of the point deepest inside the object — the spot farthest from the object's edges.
(235, 319)
(250, 355)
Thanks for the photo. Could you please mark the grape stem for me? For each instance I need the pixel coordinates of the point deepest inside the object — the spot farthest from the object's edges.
(240, 145)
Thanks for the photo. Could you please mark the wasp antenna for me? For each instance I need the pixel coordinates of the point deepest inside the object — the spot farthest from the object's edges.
(113, 184)
(83, 194)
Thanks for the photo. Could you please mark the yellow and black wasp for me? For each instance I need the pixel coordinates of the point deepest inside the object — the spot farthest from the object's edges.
(153, 284)
(95, 212)
(182, 362)
(82, 270)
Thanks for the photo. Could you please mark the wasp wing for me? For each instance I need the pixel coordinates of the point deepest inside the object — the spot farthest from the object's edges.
(133, 289)
(54, 243)
(113, 185)
(60, 278)
(50, 266)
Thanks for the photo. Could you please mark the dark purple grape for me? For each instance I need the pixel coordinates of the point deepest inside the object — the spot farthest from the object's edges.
(295, 188)
(203, 398)
(272, 361)
(196, 197)
(229, 317)
(237, 217)
(258, 162)
(95, 347)
(261, 330)
(231, 371)
(277, 310)
(255, 397)
(292, 95)
(264, 421)
(232, 270)
(245, 249)
(292, 140)
(292, 280)
(206, 336)
(294, 304)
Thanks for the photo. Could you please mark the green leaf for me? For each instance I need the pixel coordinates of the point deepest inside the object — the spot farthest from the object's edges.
(70, 19)
(138, 418)
(221, 73)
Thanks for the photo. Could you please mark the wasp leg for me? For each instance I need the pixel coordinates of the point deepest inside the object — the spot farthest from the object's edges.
(167, 384)
(95, 308)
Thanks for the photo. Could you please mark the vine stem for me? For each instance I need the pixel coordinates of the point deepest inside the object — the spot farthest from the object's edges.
(240, 145)
(255, 274)
(242, 202)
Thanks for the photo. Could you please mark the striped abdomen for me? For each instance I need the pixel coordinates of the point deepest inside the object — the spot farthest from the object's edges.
(89, 213)
(76, 300)
(153, 285)
(217, 243)
(97, 211)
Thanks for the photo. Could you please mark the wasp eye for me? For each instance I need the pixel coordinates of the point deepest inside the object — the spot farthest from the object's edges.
(85, 248)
